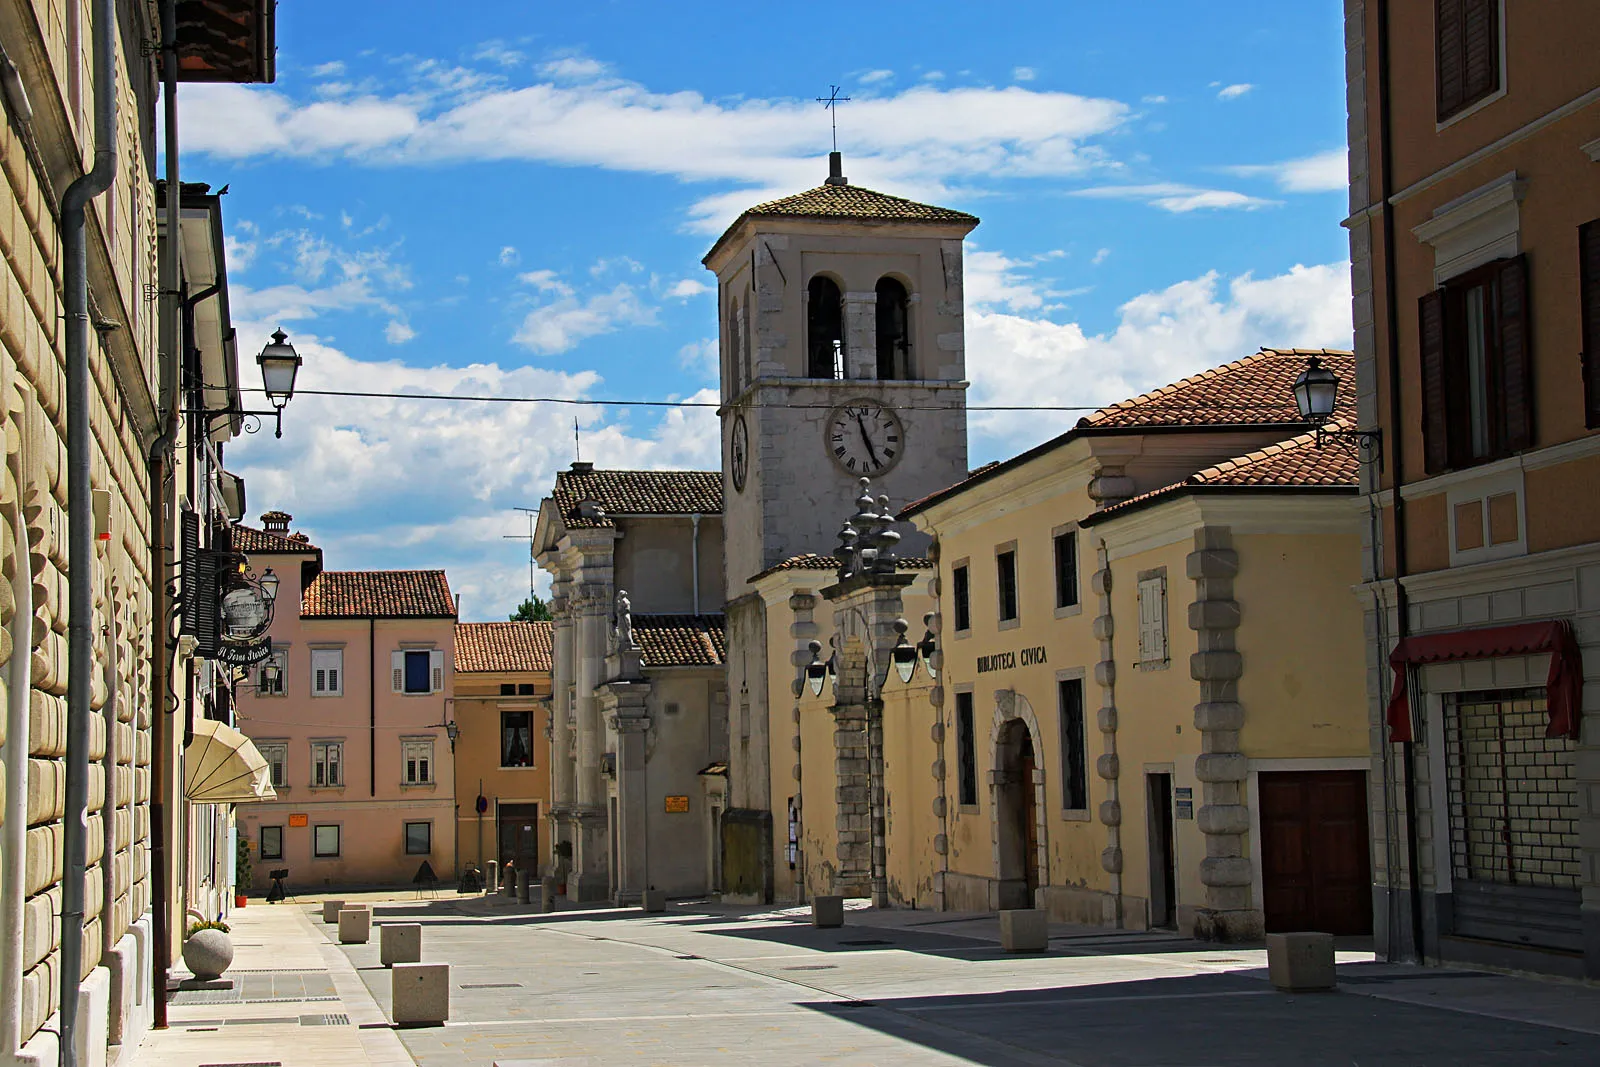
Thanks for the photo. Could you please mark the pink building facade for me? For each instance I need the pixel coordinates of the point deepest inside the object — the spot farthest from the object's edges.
(350, 713)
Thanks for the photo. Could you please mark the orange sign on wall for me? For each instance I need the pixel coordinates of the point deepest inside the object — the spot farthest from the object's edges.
(298, 820)
(677, 805)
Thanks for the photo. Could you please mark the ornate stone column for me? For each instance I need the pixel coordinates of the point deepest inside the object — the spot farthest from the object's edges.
(1108, 766)
(623, 702)
(590, 877)
(562, 785)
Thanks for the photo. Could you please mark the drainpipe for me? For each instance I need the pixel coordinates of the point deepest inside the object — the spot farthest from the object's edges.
(1396, 446)
(108, 807)
(14, 842)
(372, 706)
(80, 517)
(694, 557)
(161, 557)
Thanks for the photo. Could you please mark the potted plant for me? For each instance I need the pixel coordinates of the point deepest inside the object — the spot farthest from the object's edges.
(241, 872)
(208, 951)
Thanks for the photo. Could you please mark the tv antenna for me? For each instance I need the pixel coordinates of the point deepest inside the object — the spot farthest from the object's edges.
(532, 514)
(577, 446)
(832, 102)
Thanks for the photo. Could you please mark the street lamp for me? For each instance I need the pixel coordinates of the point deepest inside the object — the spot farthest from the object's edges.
(269, 586)
(279, 364)
(1316, 395)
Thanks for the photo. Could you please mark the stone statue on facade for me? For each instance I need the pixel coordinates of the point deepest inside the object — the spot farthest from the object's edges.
(622, 632)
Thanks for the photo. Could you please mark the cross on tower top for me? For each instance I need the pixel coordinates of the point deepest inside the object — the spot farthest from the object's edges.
(832, 102)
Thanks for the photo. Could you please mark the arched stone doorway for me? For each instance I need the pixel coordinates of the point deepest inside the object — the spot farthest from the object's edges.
(1017, 786)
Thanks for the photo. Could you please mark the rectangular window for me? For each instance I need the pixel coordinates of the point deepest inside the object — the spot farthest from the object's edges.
(327, 672)
(276, 753)
(272, 677)
(272, 842)
(1074, 761)
(961, 596)
(1153, 620)
(524, 689)
(419, 838)
(1005, 565)
(966, 751)
(1476, 370)
(327, 764)
(1066, 569)
(1466, 52)
(508, 689)
(418, 670)
(516, 739)
(1589, 304)
(417, 760)
(325, 842)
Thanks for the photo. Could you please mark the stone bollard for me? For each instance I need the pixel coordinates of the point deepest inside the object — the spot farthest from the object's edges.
(399, 943)
(653, 900)
(491, 878)
(523, 888)
(827, 912)
(1301, 963)
(547, 893)
(330, 910)
(1024, 930)
(508, 886)
(420, 994)
(355, 926)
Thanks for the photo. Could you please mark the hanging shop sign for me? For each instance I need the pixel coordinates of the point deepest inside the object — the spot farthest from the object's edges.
(247, 654)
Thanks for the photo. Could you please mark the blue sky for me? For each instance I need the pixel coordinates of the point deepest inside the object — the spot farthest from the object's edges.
(513, 199)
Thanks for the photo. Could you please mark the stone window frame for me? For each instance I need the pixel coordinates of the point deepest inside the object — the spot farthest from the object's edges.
(311, 779)
(1016, 581)
(1066, 611)
(324, 651)
(955, 728)
(1085, 813)
(964, 564)
(414, 742)
(279, 744)
(1141, 663)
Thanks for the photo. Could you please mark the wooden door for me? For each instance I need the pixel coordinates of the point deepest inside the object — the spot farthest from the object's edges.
(1163, 854)
(1315, 864)
(519, 836)
(1028, 812)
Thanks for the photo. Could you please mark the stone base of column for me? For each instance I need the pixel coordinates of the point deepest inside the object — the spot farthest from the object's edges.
(1211, 924)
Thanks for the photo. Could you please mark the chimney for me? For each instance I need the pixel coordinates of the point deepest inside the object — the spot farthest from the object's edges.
(276, 522)
(836, 169)
(582, 466)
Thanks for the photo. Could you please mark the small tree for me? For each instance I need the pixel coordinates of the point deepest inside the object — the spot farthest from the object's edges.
(241, 866)
(533, 609)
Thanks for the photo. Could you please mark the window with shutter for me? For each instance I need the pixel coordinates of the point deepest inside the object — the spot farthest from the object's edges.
(417, 667)
(1435, 419)
(1516, 370)
(1153, 620)
(1466, 53)
(397, 667)
(327, 764)
(416, 761)
(1589, 304)
(436, 669)
(327, 671)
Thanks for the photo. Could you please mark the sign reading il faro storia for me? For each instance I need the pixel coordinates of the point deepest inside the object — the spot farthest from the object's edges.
(1005, 661)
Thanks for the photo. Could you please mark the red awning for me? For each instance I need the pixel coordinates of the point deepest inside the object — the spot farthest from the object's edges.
(1564, 685)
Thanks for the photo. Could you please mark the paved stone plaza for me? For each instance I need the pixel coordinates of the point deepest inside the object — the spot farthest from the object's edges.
(705, 985)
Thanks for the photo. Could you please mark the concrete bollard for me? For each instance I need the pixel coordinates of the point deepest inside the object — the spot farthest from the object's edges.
(523, 888)
(1024, 930)
(508, 885)
(330, 910)
(827, 912)
(420, 994)
(653, 900)
(491, 878)
(355, 926)
(1301, 963)
(547, 893)
(399, 943)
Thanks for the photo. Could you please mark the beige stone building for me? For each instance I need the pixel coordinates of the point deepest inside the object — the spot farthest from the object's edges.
(502, 744)
(1475, 247)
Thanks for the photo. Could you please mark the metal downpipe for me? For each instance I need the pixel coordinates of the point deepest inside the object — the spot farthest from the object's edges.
(80, 518)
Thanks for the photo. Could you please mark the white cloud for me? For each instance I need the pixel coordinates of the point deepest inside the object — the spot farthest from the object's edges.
(1323, 172)
(1233, 92)
(700, 358)
(609, 264)
(398, 332)
(498, 51)
(328, 70)
(1174, 197)
(873, 77)
(573, 68)
(1154, 98)
(546, 281)
(933, 76)
(509, 256)
(1160, 336)
(562, 324)
(1024, 74)
(240, 246)
(1100, 256)
(686, 288)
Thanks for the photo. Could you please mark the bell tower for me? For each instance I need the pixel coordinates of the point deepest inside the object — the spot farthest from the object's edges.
(842, 355)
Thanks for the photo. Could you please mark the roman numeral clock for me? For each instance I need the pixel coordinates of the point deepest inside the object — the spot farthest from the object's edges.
(864, 437)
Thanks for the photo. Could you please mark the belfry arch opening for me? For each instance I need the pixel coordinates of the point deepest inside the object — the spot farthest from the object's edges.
(894, 330)
(824, 329)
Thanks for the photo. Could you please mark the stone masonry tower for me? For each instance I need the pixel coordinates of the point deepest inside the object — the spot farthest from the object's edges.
(842, 356)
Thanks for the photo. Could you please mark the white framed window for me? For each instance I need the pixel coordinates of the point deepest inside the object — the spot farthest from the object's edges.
(1153, 619)
(417, 670)
(327, 672)
(416, 761)
(276, 753)
(327, 764)
(272, 677)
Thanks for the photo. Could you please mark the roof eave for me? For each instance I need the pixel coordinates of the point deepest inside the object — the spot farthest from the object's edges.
(1117, 511)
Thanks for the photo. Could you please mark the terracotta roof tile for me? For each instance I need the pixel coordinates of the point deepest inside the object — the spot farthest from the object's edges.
(634, 493)
(1291, 465)
(1247, 392)
(681, 640)
(384, 594)
(248, 539)
(495, 647)
(847, 202)
(813, 562)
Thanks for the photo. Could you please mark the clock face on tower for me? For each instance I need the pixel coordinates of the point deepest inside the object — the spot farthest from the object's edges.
(739, 453)
(864, 437)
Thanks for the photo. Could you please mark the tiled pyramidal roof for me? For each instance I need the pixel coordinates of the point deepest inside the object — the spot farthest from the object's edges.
(384, 594)
(1255, 390)
(247, 539)
(854, 202)
(587, 498)
(495, 647)
(681, 640)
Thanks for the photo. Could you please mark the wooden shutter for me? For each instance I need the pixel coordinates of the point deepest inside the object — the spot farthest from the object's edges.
(1466, 52)
(1516, 365)
(1589, 303)
(1449, 62)
(436, 669)
(397, 666)
(1435, 393)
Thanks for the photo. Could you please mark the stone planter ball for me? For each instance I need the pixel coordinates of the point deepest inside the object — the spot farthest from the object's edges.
(208, 953)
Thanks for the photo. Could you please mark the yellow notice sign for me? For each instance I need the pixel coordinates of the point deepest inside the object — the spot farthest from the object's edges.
(677, 805)
(298, 820)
